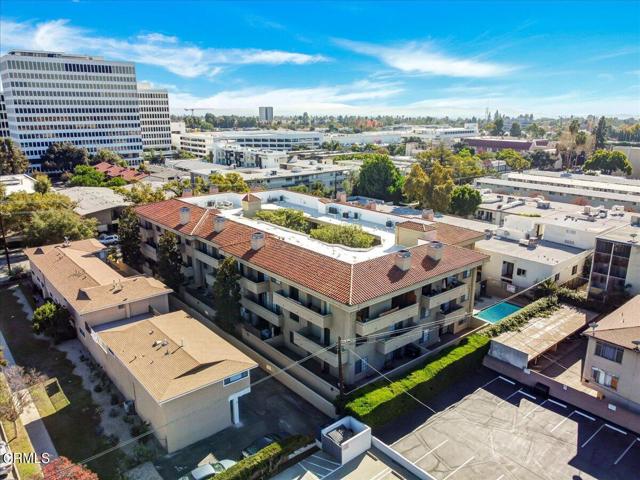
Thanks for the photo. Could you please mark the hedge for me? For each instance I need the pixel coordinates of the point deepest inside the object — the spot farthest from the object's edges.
(542, 307)
(381, 402)
(266, 462)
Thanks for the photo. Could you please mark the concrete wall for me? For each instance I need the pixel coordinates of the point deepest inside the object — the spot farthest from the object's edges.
(508, 354)
(400, 459)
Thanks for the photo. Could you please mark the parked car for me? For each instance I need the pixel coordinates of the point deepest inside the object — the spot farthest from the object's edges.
(209, 470)
(5, 460)
(263, 442)
(108, 239)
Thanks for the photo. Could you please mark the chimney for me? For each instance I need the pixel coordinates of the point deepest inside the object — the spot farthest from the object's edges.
(187, 192)
(257, 240)
(372, 206)
(213, 189)
(434, 251)
(341, 197)
(185, 215)
(218, 223)
(427, 214)
(403, 260)
(488, 233)
(430, 236)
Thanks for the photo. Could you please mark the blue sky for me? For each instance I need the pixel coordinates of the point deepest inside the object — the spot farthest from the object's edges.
(414, 58)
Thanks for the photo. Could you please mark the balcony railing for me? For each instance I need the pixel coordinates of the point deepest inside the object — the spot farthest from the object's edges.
(435, 299)
(312, 344)
(386, 319)
(262, 311)
(309, 312)
(392, 343)
(150, 251)
(186, 270)
(204, 257)
(254, 286)
(457, 312)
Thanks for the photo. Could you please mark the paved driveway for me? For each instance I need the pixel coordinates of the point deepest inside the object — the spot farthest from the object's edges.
(269, 408)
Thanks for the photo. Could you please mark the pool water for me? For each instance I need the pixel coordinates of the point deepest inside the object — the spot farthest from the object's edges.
(498, 312)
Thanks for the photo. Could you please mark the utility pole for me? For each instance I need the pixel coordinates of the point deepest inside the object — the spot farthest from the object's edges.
(340, 375)
(4, 242)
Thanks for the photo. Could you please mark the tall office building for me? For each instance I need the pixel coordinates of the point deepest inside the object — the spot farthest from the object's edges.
(266, 114)
(4, 123)
(155, 121)
(88, 101)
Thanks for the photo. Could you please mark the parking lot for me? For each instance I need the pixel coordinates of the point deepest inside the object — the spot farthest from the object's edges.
(501, 431)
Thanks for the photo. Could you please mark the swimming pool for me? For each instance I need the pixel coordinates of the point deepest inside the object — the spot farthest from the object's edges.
(498, 312)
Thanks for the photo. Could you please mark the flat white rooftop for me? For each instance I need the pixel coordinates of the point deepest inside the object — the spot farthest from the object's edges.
(546, 253)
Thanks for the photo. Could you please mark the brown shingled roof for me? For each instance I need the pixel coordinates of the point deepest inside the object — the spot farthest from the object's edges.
(621, 327)
(455, 235)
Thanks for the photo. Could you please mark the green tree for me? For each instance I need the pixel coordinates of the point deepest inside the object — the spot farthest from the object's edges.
(574, 127)
(226, 294)
(379, 178)
(438, 188)
(465, 200)
(12, 160)
(129, 234)
(230, 182)
(348, 235)
(541, 159)
(154, 157)
(42, 183)
(415, 184)
(609, 162)
(498, 126)
(177, 186)
(285, 217)
(183, 155)
(514, 160)
(534, 130)
(439, 153)
(107, 156)
(465, 165)
(141, 193)
(170, 260)
(54, 321)
(600, 134)
(64, 157)
(19, 207)
(515, 130)
(87, 176)
(53, 226)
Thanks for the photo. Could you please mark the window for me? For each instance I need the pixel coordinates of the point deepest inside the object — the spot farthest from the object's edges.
(361, 365)
(466, 274)
(294, 317)
(574, 270)
(424, 337)
(521, 272)
(603, 378)
(291, 338)
(557, 277)
(236, 377)
(609, 352)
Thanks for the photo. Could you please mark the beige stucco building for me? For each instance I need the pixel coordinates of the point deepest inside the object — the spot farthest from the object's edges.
(389, 302)
(612, 361)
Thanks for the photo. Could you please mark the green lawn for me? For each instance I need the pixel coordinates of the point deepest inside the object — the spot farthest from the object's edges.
(72, 427)
(18, 438)
(49, 404)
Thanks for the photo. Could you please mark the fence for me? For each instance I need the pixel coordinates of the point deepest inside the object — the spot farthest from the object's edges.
(568, 394)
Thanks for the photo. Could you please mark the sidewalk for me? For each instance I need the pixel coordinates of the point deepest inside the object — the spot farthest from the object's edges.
(30, 417)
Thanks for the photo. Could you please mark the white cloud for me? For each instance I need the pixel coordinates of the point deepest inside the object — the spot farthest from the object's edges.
(157, 49)
(424, 58)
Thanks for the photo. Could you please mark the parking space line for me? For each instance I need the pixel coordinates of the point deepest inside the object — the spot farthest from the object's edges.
(626, 450)
(615, 429)
(506, 380)
(325, 460)
(528, 395)
(535, 408)
(431, 451)
(591, 437)
(506, 399)
(316, 465)
(585, 415)
(381, 474)
(563, 420)
(557, 403)
(445, 478)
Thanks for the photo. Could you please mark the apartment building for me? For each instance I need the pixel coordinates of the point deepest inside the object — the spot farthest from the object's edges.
(237, 156)
(86, 100)
(4, 122)
(615, 272)
(265, 114)
(101, 203)
(495, 144)
(598, 191)
(182, 378)
(300, 295)
(612, 361)
(155, 122)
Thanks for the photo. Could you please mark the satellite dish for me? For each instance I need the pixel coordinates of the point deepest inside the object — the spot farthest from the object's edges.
(636, 343)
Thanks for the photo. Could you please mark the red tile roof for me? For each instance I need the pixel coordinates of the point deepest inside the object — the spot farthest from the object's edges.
(346, 283)
(416, 226)
(455, 235)
(112, 171)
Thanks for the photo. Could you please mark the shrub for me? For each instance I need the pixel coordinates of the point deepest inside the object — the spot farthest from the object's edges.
(285, 217)
(97, 388)
(115, 399)
(381, 402)
(54, 321)
(266, 462)
(542, 307)
(347, 235)
(114, 412)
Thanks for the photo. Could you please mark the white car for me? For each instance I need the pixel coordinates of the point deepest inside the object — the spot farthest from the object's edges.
(108, 239)
(5, 463)
(209, 470)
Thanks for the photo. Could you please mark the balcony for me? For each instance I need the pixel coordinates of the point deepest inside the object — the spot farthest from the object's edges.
(149, 251)
(455, 313)
(263, 312)
(187, 271)
(435, 299)
(209, 278)
(206, 258)
(305, 340)
(254, 286)
(309, 313)
(145, 233)
(392, 343)
(386, 319)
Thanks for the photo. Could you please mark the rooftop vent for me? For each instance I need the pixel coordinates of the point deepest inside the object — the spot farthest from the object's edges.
(427, 214)
(488, 233)
(257, 240)
(185, 215)
(403, 260)
(213, 189)
(434, 251)
(187, 192)
(635, 220)
(219, 223)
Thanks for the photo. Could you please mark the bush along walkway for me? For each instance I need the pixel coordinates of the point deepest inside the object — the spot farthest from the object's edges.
(382, 401)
